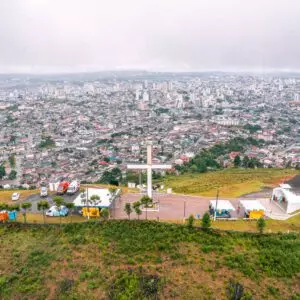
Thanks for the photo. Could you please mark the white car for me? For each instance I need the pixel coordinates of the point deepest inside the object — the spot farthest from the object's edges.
(15, 196)
(54, 212)
(44, 192)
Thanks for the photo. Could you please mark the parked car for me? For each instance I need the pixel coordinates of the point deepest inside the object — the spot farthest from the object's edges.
(73, 187)
(15, 196)
(62, 187)
(44, 191)
(54, 212)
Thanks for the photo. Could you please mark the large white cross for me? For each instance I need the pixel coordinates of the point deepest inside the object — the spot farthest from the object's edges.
(149, 166)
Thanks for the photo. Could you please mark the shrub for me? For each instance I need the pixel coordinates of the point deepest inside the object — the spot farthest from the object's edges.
(273, 291)
(190, 221)
(104, 213)
(65, 286)
(235, 290)
(77, 239)
(261, 224)
(206, 222)
(133, 285)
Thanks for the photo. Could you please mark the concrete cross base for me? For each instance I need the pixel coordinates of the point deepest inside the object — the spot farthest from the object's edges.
(155, 208)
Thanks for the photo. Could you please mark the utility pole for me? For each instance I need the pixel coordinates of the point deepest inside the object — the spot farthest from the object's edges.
(217, 199)
(87, 202)
(184, 204)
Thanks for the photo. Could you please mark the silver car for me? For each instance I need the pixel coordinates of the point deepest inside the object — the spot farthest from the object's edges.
(44, 192)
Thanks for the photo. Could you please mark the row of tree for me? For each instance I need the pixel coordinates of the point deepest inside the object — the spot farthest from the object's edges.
(206, 222)
(12, 175)
(42, 205)
(247, 162)
(145, 201)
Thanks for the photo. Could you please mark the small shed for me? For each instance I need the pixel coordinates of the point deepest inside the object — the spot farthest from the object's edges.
(105, 196)
(253, 209)
(223, 208)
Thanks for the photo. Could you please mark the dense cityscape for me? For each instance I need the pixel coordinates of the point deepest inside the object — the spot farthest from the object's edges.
(81, 126)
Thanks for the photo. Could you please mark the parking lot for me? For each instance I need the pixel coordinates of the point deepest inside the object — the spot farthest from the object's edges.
(34, 199)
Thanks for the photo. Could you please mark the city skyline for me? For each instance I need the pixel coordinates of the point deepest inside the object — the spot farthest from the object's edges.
(192, 36)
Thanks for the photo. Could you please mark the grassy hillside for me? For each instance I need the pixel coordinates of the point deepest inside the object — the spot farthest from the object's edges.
(231, 182)
(145, 260)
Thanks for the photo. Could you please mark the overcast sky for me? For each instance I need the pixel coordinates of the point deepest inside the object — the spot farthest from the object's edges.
(176, 35)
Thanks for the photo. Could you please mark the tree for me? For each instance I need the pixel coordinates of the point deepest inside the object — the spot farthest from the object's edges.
(43, 205)
(70, 207)
(84, 199)
(137, 208)
(25, 206)
(261, 224)
(251, 163)
(82, 195)
(191, 220)
(128, 209)
(47, 142)
(106, 159)
(12, 161)
(13, 207)
(104, 213)
(146, 200)
(2, 171)
(113, 191)
(252, 128)
(12, 175)
(206, 221)
(95, 199)
(3, 206)
(59, 201)
(237, 161)
(245, 161)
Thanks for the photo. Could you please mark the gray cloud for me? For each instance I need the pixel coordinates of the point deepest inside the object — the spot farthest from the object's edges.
(90, 35)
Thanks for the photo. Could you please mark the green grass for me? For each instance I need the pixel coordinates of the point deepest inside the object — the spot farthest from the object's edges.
(37, 218)
(230, 182)
(144, 260)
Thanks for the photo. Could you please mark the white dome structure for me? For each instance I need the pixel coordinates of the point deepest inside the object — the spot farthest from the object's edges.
(287, 198)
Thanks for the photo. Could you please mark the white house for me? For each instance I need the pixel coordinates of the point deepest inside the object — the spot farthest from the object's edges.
(104, 195)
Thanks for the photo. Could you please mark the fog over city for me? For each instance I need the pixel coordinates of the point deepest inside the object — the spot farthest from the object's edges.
(43, 36)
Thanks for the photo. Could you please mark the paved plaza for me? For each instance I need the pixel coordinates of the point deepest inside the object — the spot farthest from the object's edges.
(171, 206)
